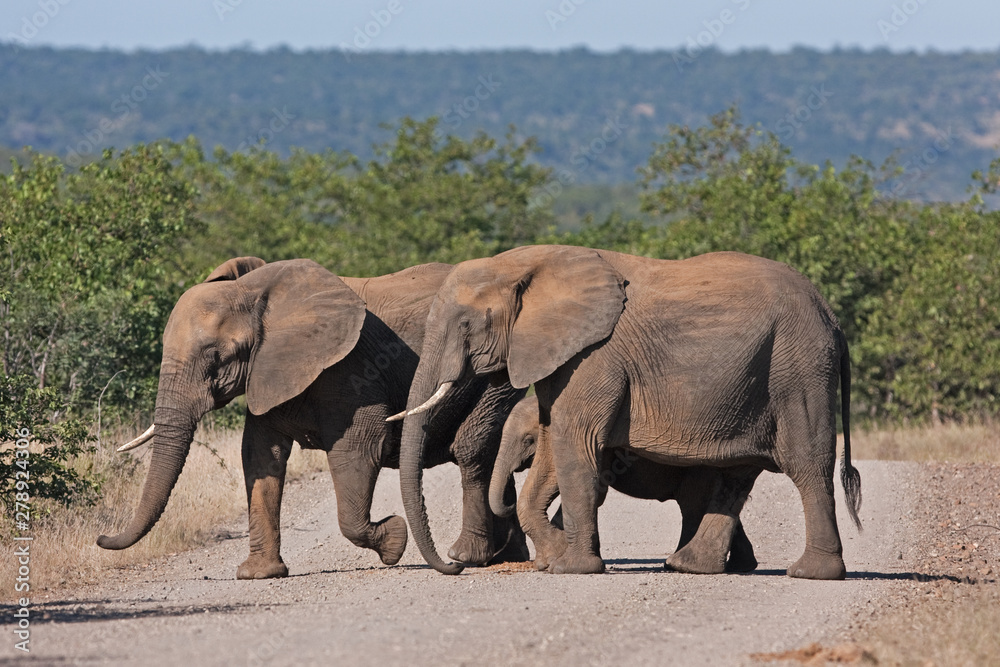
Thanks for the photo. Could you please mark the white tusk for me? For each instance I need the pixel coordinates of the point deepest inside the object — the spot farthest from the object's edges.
(141, 440)
(396, 417)
(427, 405)
(433, 400)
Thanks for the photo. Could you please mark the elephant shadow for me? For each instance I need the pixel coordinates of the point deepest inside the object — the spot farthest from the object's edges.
(85, 611)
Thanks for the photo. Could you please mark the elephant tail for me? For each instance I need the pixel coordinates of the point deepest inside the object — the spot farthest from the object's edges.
(849, 475)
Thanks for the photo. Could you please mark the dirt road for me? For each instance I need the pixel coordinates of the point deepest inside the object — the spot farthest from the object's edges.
(340, 606)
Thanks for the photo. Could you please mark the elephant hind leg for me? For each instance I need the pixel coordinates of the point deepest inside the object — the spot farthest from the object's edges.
(808, 449)
(354, 478)
(741, 555)
(823, 557)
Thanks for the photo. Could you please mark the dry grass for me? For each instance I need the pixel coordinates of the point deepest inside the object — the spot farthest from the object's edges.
(978, 443)
(210, 492)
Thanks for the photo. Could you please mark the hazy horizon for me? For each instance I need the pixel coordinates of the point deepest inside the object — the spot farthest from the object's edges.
(550, 25)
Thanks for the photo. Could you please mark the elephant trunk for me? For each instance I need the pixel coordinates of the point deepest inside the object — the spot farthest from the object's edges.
(171, 443)
(411, 464)
(507, 462)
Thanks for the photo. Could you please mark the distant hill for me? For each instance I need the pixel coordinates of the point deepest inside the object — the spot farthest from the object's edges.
(595, 115)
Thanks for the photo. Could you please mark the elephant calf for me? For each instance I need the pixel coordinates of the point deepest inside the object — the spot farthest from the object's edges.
(319, 368)
(691, 487)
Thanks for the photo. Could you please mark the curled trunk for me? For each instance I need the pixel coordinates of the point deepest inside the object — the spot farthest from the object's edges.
(411, 464)
(507, 462)
(171, 443)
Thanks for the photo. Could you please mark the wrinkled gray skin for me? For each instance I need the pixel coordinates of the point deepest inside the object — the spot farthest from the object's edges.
(318, 368)
(722, 360)
(692, 488)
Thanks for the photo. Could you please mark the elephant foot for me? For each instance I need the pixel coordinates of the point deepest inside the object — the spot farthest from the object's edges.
(577, 564)
(692, 561)
(741, 558)
(549, 549)
(817, 565)
(470, 549)
(390, 539)
(258, 567)
(515, 550)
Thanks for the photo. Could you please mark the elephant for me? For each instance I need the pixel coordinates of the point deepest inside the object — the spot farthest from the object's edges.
(691, 487)
(323, 361)
(724, 360)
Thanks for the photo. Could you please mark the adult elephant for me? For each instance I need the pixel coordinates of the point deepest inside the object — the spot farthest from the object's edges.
(318, 368)
(724, 360)
(694, 488)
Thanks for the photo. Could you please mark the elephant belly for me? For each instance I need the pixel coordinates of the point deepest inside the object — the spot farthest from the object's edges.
(699, 427)
(702, 405)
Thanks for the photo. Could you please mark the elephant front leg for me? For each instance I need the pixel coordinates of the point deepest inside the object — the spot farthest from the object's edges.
(354, 476)
(508, 537)
(475, 544)
(580, 500)
(265, 454)
(581, 495)
(485, 538)
(539, 490)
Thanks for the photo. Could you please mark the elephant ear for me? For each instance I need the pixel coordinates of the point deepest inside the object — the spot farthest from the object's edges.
(234, 268)
(571, 298)
(308, 320)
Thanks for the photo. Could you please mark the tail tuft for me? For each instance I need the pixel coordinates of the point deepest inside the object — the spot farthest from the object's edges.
(849, 475)
(851, 479)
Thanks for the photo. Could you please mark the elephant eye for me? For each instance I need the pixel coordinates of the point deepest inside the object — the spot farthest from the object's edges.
(212, 361)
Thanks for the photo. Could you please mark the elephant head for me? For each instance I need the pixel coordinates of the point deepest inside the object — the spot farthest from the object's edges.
(524, 313)
(517, 448)
(266, 330)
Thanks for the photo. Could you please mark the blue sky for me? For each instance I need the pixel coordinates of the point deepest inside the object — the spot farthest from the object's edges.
(601, 25)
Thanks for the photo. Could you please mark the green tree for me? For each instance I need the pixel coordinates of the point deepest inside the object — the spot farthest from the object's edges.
(89, 272)
(728, 186)
(423, 197)
(943, 319)
(26, 417)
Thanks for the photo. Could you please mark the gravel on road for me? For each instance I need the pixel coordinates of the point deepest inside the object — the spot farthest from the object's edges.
(341, 606)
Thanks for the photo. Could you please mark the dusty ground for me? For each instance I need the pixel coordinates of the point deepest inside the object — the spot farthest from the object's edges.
(341, 606)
